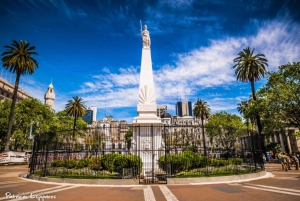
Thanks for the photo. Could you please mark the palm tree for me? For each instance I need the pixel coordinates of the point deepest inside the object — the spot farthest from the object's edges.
(17, 59)
(242, 108)
(202, 110)
(76, 108)
(250, 68)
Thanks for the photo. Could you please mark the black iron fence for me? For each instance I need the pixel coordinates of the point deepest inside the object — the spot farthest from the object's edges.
(152, 155)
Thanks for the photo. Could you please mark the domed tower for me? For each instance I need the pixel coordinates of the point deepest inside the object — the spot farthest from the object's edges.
(50, 96)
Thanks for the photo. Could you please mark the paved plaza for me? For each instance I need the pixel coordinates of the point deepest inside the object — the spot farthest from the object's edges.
(283, 186)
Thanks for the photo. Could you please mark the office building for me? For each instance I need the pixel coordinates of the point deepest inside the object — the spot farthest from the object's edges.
(184, 108)
(90, 115)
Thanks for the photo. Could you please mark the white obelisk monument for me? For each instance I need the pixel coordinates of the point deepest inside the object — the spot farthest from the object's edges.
(147, 140)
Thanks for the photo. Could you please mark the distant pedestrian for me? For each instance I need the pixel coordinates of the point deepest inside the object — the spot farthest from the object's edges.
(284, 162)
(264, 158)
(296, 161)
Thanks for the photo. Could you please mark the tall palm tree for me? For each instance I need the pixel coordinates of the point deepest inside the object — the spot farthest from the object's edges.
(250, 68)
(242, 108)
(202, 110)
(17, 59)
(76, 108)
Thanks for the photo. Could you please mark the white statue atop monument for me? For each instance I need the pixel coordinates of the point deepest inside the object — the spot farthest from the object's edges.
(145, 37)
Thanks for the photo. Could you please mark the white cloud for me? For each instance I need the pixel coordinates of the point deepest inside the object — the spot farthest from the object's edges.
(279, 41)
(205, 67)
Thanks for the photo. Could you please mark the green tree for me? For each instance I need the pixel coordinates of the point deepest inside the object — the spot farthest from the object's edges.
(244, 108)
(97, 139)
(18, 59)
(31, 112)
(225, 128)
(251, 68)
(282, 94)
(65, 125)
(5, 106)
(75, 108)
(202, 110)
(128, 138)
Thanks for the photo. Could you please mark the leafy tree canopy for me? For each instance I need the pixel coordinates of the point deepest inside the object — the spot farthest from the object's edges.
(224, 128)
(281, 96)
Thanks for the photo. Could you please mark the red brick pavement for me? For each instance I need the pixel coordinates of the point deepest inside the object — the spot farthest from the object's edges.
(284, 186)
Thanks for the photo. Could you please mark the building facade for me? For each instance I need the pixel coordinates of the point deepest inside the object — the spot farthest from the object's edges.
(161, 109)
(7, 90)
(50, 96)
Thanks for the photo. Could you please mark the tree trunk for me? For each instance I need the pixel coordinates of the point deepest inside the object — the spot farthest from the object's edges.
(73, 143)
(203, 136)
(259, 127)
(11, 115)
(74, 125)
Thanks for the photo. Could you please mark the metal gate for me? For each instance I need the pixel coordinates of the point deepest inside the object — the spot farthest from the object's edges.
(149, 146)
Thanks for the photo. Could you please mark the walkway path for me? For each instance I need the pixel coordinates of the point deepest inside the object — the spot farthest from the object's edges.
(283, 186)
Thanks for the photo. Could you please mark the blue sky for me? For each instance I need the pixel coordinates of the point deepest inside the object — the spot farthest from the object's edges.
(92, 49)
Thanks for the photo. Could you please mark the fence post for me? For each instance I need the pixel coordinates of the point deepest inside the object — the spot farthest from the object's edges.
(253, 155)
(46, 157)
(33, 154)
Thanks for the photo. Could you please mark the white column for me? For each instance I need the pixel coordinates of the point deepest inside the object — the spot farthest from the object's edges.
(281, 142)
(288, 141)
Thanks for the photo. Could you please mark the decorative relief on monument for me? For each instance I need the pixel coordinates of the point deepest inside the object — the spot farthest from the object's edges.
(146, 95)
(143, 107)
(146, 146)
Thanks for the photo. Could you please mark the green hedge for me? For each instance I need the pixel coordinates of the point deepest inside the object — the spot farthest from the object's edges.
(185, 161)
(119, 163)
(111, 162)
(94, 163)
(188, 160)
(135, 162)
(107, 161)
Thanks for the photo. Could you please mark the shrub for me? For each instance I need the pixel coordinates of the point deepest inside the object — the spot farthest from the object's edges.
(82, 163)
(70, 163)
(95, 163)
(57, 163)
(135, 162)
(107, 161)
(218, 162)
(196, 160)
(119, 163)
(171, 163)
(235, 161)
(185, 161)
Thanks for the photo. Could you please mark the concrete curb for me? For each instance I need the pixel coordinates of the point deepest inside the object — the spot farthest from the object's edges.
(135, 182)
(224, 179)
(86, 181)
